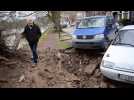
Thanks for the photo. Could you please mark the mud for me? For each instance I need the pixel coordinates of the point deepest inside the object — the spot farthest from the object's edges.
(56, 69)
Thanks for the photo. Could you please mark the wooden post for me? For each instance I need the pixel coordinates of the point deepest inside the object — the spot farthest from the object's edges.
(59, 30)
(59, 35)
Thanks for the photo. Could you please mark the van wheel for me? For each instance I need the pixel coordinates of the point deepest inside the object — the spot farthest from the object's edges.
(77, 49)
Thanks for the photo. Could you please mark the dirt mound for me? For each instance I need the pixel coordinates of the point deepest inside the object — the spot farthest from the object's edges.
(56, 69)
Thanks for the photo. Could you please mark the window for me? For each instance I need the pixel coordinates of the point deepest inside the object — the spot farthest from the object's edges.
(125, 15)
(110, 20)
(125, 37)
(92, 22)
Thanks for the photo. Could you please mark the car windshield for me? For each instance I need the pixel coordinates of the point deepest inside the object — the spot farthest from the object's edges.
(92, 22)
(125, 37)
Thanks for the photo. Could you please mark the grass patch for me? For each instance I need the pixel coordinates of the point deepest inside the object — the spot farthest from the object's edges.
(45, 35)
(65, 36)
(63, 42)
(63, 45)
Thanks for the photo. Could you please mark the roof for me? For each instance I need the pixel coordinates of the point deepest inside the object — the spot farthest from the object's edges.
(128, 27)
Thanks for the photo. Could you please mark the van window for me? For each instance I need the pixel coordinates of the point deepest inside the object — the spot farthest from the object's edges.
(92, 22)
(110, 20)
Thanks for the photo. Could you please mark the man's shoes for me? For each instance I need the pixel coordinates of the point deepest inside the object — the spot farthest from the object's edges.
(34, 65)
(34, 62)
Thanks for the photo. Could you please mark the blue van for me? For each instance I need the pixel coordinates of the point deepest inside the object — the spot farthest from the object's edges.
(94, 32)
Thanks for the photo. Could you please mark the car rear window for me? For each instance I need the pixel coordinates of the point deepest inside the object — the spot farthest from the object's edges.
(125, 36)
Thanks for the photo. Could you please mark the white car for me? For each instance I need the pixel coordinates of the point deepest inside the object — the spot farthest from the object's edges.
(118, 61)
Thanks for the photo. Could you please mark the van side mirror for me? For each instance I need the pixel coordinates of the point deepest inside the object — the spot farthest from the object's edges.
(109, 24)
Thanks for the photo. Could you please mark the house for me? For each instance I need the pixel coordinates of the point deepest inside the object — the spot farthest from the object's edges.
(121, 15)
(118, 15)
(108, 13)
(94, 13)
(131, 16)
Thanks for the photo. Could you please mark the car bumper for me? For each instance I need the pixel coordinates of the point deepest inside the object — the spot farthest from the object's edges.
(88, 44)
(116, 75)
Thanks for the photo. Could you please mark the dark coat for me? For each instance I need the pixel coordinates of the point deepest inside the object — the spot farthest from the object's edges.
(32, 35)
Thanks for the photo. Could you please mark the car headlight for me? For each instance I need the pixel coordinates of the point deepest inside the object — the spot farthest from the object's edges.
(74, 36)
(107, 64)
(100, 36)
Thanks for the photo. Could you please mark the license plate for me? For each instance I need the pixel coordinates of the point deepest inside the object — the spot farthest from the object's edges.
(84, 37)
(127, 78)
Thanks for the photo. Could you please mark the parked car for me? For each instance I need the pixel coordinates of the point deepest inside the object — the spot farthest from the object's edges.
(94, 32)
(118, 61)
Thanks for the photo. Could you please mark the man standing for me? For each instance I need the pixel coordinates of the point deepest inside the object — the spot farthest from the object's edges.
(32, 34)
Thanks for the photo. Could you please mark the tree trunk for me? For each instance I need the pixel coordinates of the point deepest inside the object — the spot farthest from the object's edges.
(55, 17)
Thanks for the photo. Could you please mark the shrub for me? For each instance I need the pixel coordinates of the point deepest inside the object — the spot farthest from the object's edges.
(125, 22)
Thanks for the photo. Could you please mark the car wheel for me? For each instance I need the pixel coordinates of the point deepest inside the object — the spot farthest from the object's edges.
(105, 78)
(103, 49)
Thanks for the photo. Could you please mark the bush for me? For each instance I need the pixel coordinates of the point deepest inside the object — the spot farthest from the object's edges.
(125, 22)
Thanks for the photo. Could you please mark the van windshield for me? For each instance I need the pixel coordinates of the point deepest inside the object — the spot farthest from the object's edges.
(92, 22)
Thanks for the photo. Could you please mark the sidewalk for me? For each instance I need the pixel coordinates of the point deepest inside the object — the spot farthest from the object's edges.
(51, 40)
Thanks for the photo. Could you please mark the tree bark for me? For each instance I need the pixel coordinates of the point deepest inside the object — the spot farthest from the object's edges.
(55, 17)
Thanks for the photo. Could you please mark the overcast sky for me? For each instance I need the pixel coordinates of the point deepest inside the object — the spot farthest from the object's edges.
(23, 13)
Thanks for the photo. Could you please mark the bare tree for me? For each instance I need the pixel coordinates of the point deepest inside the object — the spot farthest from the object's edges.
(9, 20)
(55, 17)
